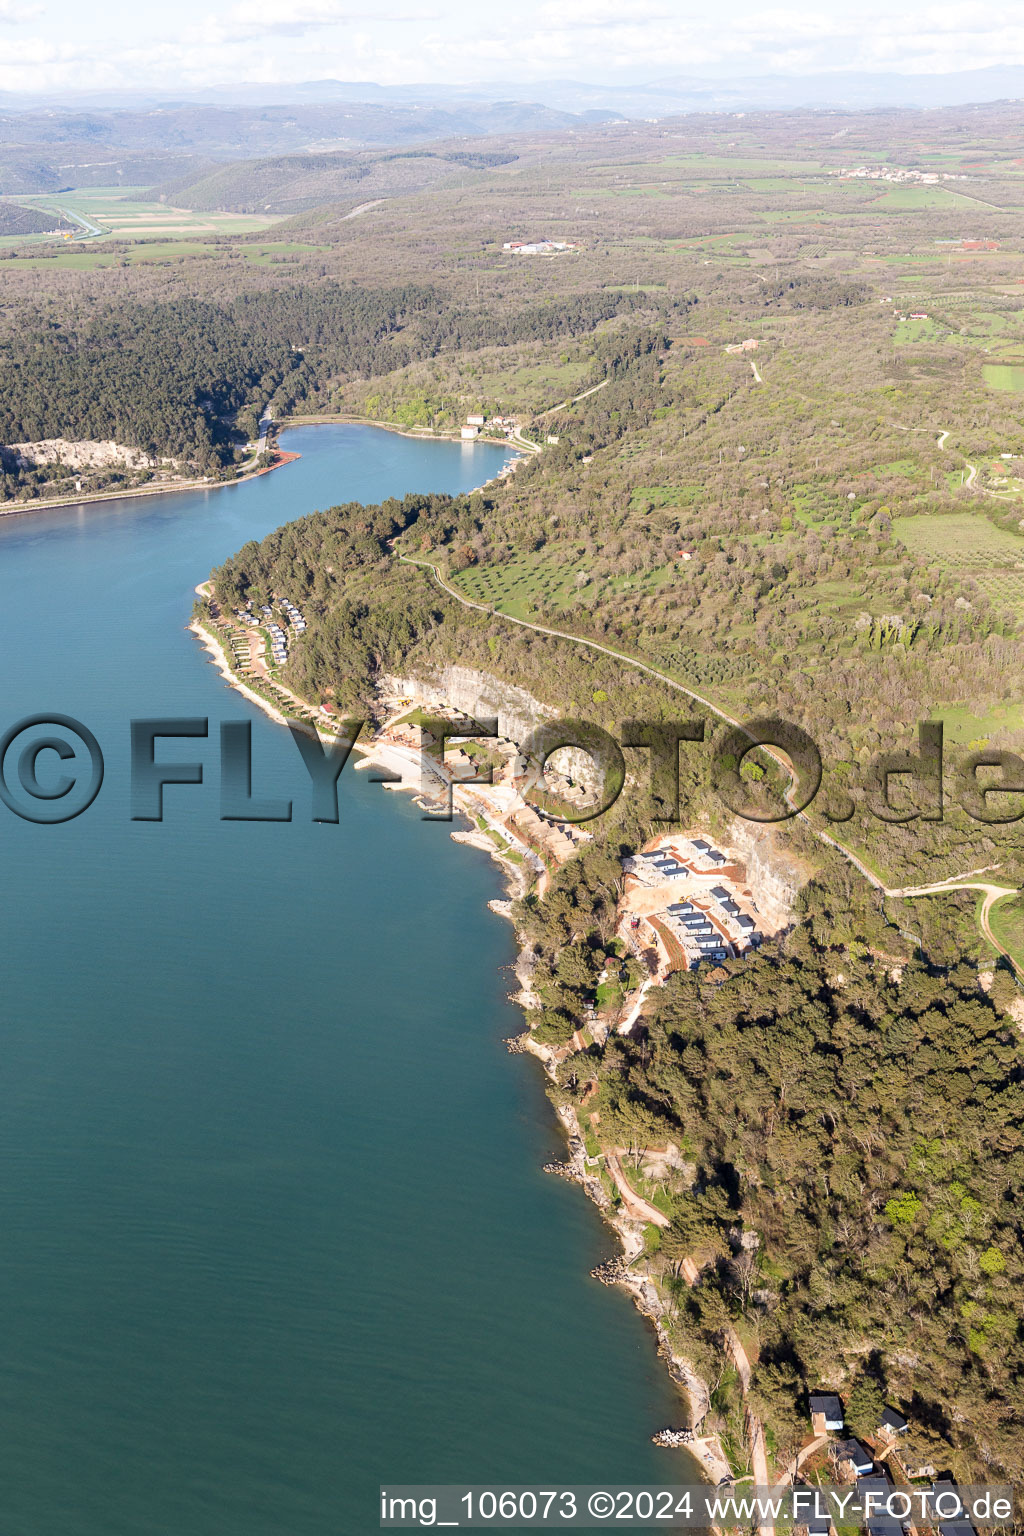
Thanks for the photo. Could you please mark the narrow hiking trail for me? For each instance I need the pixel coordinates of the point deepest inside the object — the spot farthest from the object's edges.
(563, 405)
(992, 894)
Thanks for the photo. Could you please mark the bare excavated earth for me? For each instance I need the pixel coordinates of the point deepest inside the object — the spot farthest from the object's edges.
(84, 455)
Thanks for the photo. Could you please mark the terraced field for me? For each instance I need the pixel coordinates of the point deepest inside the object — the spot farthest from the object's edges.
(532, 584)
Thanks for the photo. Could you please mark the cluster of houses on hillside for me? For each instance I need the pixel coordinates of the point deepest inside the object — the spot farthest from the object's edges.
(706, 920)
(265, 618)
(278, 644)
(539, 247)
(870, 1468)
(897, 174)
(475, 424)
(278, 639)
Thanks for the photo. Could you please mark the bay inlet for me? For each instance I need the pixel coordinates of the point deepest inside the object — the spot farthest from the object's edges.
(275, 1230)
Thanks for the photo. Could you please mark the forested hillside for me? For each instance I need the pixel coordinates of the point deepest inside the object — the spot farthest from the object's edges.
(852, 1124)
(164, 378)
(172, 378)
(852, 1115)
(31, 168)
(292, 183)
(15, 220)
(234, 132)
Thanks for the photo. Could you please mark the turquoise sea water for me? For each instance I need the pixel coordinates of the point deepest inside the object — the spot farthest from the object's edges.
(273, 1229)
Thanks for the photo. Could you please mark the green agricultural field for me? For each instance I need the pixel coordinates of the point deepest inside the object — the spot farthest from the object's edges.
(969, 543)
(920, 199)
(84, 258)
(520, 587)
(666, 495)
(168, 250)
(119, 219)
(911, 258)
(88, 255)
(909, 332)
(796, 186)
(531, 386)
(990, 322)
(1006, 376)
(265, 254)
(964, 728)
(1007, 921)
(998, 332)
(739, 167)
(908, 467)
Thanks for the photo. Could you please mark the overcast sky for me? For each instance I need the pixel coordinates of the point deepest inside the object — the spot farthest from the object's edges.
(61, 44)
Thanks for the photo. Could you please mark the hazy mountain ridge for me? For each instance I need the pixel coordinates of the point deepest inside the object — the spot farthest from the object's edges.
(146, 138)
(231, 133)
(718, 90)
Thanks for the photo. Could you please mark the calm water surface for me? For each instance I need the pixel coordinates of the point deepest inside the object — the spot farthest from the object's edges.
(274, 1229)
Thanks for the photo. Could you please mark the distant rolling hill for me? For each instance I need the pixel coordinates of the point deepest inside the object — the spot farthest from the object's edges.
(15, 220)
(716, 90)
(295, 183)
(30, 168)
(232, 133)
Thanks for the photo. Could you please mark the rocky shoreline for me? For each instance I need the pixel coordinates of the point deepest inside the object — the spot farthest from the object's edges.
(627, 1269)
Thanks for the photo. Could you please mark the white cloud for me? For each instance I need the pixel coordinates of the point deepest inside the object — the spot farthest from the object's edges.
(12, 13)
(266, 17)
(597, 40)
(294, 18)
(643, 41)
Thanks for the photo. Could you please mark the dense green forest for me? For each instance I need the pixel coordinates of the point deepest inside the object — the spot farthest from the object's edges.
(852, 1124)
(168, 379)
